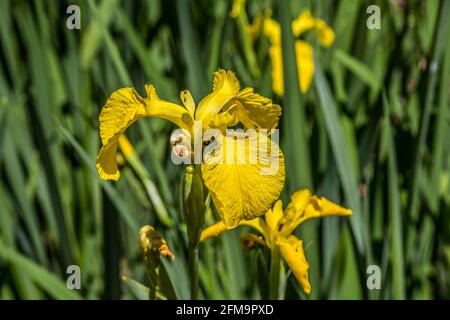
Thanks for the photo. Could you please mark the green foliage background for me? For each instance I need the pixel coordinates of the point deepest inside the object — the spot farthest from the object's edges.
(371, 133)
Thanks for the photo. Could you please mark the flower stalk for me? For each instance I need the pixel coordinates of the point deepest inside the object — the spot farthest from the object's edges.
(274, 274)
(193, 210)
(193, 270)
(249, 53)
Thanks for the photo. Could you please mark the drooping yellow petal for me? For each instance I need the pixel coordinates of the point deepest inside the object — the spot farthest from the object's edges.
(303, 23)
(213, 230)
(324, 33)
(243, 180)
(305, 64)
(292, 251)
(276, 57)
(219, 227)
(225, 87)
(256, 111)
(106, 162)
(124, 107)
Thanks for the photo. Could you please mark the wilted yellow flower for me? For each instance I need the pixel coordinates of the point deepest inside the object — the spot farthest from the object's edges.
(153, 246)
(151, 240)
(303, 50)
(238, 188)
(277, 228)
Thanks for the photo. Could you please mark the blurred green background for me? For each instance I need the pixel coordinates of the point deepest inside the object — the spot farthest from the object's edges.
(371, 133)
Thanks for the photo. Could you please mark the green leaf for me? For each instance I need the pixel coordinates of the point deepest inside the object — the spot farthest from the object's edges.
(342, 156)
(140, 291)
(54, 286)
(397, 253)
(358, 68)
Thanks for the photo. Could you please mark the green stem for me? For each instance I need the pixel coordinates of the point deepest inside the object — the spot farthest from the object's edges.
(274, 276)
(249, 53)
(193, 270)
(194, 215)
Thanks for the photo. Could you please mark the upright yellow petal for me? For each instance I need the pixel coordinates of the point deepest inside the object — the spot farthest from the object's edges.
(225, 87)
(292, 251)
(243, 181)
(256, 111)
(299, 200)
(305, 64)
(294, 212)
(303, 23)
(124, 107)
(276, 57)
(321, 207)
(324, 33)
(188, 101)
(304, 206)
(156, 107)
(273, 216)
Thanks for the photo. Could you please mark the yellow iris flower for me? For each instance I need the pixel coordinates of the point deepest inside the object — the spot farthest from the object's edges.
(238, 189)
(303, 50)
(277, 228)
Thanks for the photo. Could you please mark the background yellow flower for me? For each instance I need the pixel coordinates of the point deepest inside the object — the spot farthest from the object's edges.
(303, 50)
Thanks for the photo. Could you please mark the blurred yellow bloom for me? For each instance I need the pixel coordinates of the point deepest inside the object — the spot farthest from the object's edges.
(236, 8)
(303, 51)
(238, 189)
(303, 23)
(277, 228)
(305, 64)
(324, 33)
